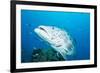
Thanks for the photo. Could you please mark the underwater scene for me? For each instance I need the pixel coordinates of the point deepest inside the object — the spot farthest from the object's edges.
(54, 36)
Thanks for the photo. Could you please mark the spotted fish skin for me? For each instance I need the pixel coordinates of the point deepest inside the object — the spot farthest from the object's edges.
(59, 39)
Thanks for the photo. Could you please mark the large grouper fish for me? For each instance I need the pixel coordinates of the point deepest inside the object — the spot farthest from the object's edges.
(59, 39)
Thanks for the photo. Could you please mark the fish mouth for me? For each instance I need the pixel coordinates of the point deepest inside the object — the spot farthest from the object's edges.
(41, 31)
(41, 28)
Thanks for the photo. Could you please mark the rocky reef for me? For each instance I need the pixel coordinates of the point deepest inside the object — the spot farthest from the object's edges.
(44, 55)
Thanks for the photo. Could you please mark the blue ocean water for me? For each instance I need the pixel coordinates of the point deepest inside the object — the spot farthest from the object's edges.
(76, 23)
